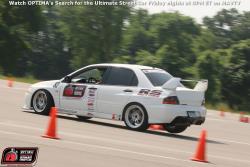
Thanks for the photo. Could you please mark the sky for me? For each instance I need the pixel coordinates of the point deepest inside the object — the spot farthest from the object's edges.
(198, 8)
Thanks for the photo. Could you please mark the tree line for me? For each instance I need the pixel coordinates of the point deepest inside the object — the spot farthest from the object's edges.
(50, 42)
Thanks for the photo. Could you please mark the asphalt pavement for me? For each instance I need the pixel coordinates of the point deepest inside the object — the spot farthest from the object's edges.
(106, 143)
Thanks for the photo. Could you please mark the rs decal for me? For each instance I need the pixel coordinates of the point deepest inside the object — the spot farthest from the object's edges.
(155, 93)
(147, 92)
(144, 92)
(74, 91)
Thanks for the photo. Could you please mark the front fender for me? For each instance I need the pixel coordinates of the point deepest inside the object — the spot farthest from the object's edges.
(46, 85)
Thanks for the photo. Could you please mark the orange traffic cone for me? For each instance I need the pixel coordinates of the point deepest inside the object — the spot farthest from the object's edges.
(222, 113)
(241, 117)
(246, 120)
(156, 127)
(200, 154)
(10, 82)
(51, 131)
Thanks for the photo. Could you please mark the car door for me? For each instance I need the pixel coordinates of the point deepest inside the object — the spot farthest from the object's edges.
(79, 95)
(72, 97)
(113, 95)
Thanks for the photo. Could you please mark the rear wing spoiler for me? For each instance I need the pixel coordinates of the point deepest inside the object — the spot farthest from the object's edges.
(173, 83)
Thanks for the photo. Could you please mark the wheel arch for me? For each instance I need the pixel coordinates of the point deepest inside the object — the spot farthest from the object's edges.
(131, 103)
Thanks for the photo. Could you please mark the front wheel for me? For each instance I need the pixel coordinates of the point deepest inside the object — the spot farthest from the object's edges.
(42, 101)
(135, 117)
(174, 128)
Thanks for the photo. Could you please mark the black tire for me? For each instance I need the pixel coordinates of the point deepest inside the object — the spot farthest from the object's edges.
(174, 128)
(49, 102)
(144, 121)
(83, 118)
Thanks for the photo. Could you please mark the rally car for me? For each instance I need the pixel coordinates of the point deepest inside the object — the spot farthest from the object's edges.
(138, 95)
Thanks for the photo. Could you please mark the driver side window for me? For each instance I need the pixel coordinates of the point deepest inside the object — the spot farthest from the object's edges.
(92, 76)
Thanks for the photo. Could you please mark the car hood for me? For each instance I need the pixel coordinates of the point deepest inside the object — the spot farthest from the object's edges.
(45, 83)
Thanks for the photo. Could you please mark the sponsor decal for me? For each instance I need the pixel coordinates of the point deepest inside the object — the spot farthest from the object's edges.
(155, 93)
(19, 156)
(147, 92)
(74, 90)
(144, 92)
(116, 117)
(91, 99)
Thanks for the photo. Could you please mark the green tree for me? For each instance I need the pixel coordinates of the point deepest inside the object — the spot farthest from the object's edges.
(136, 35)
(236, 77)
(16, 26)
(166, 39)
(93, 33)
(171, 60)
(205, 41)
(144, 57)
(241, 30)
(210, 65)
(49, 51)
(174, 36)
(228, 26)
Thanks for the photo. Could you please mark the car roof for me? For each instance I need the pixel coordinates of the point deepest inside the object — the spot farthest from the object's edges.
(131, 66)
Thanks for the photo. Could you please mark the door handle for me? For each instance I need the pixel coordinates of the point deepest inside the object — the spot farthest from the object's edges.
(127, 90)
(92, 88)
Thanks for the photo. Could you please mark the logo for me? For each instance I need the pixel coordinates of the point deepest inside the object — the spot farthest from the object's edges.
(147, 92)
(19, 156)
(74, 91)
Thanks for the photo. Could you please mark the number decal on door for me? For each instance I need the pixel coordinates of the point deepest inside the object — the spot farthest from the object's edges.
(74, 91)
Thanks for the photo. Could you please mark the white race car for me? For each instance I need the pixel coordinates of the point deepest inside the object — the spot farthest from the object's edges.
(138, 95)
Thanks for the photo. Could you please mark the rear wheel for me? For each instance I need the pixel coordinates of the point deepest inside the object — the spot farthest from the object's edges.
(83, 118)
(135, 117)
(42, 101)
(174, 128)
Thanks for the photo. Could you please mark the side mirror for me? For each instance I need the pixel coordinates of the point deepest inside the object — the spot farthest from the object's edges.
(67, 79)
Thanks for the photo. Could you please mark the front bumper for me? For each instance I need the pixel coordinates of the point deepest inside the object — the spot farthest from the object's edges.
(188, 121)
(27, 101)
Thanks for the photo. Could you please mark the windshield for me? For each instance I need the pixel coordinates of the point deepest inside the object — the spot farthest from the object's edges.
(157, 77)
